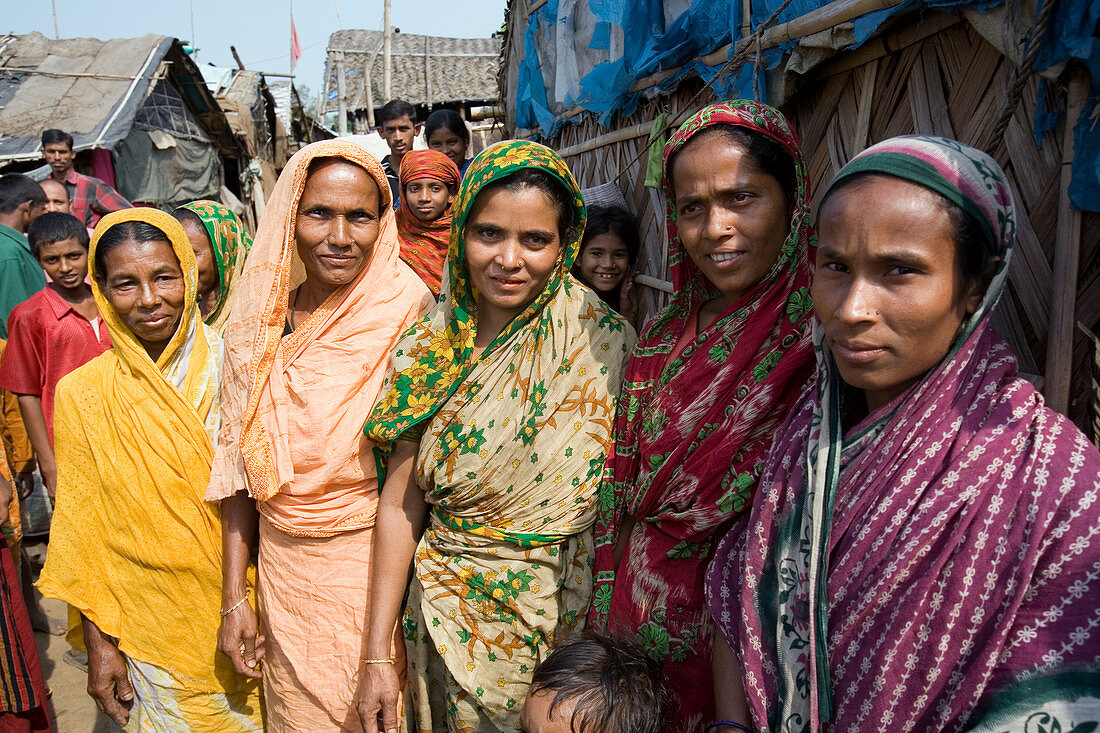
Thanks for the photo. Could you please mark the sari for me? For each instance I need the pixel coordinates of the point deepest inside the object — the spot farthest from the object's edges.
(512, 445)
(933, 568)
(292, 412)
(230, 243)
(424, 245)
(692, 432)
(133, 546)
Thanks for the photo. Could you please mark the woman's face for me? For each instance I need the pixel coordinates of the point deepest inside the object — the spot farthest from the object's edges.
(731, 216)
(204, 257)
(512, 247)
(604, 261)
(428, 198)
(144, 283)
(337, 223)
(449, 144)
(888, 288)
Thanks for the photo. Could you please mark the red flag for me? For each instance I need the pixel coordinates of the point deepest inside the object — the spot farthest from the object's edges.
(295, 46)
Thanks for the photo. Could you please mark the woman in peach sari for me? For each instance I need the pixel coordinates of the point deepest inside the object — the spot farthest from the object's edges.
(323, 299)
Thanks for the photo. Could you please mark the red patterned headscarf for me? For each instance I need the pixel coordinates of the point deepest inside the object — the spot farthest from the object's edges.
(693, 430)
(424, 245)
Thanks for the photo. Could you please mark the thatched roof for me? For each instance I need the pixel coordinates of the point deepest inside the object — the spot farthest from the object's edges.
(426, 69)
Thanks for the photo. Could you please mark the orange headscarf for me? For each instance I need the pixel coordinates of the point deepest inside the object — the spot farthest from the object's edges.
(424, 246)
(293, 408)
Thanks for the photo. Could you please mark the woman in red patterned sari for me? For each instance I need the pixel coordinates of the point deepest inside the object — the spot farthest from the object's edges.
(709, 383)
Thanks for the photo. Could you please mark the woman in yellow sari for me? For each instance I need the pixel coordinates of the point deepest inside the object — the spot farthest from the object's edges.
(497, 419)
(134, 548)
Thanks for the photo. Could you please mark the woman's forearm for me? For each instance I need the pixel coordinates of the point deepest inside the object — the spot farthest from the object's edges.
(729, 688)
(239, 522)
(402, 514)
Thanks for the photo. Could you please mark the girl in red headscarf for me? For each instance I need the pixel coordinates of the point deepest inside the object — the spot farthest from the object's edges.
(429, 181)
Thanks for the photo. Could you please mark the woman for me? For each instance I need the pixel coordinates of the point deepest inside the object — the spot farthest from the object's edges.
(429, 182)
(221, 245)
(925, 556)
(446, 131)
(320, 306)
(133, 547)
(709, 383)
(496, 424)
(606, 261)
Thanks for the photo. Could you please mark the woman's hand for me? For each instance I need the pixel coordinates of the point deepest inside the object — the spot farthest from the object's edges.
(240, 640)
(108, 678)
(628, 297)
(378, 694)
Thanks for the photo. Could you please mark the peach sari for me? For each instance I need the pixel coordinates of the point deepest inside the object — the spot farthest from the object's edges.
(293, 409)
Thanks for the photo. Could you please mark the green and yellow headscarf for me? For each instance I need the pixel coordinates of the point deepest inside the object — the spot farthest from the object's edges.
(434, 357)
(231, 244)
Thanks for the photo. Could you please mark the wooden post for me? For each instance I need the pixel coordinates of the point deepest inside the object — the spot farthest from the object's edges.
(1067, 254)
(428, 70)
(387, 42)
(368, 87)
(341, 101)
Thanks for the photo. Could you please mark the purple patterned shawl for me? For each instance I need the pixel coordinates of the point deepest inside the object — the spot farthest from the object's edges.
(938, 567)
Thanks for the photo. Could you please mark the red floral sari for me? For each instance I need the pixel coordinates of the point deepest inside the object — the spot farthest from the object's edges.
(692, 433)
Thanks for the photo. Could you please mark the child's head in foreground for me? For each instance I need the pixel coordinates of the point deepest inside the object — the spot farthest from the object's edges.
(595, 683)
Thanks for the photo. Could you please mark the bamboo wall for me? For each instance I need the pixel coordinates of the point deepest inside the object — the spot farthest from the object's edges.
(950, 83)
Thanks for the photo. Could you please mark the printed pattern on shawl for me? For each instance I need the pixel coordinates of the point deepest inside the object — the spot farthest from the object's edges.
(424, 245)
(511, 453)
(901, 576)
(230, 243)
(692, 433)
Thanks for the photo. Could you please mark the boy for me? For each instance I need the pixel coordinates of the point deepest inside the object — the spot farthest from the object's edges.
(399, 128)
(90, 197)
(594, 683)
(21, 202)
(56, 330)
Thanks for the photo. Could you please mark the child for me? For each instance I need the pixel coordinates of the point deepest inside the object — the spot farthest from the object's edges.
(56, 330)
(398, 127)
(594, 683)
(606, 261)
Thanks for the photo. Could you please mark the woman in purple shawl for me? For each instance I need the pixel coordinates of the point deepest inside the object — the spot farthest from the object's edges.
(923, 553)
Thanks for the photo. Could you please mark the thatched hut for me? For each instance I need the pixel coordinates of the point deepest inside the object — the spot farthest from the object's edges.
(428, 72)
(999, 76)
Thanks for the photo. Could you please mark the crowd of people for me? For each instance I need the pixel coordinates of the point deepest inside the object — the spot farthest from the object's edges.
(402, 462)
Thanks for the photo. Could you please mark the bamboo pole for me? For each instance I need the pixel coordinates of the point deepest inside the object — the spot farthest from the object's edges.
(387, 42)
(428, 69)
(1067, 254)
(341, 101)
(839, 11)
(617, 136)
(368, 88)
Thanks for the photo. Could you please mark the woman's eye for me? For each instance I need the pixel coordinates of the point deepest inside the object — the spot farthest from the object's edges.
(902, 270)
(835, 267)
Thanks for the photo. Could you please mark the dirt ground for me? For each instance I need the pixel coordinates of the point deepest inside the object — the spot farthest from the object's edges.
(71, 708)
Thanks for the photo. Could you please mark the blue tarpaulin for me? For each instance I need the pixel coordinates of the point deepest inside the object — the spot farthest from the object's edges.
(589, 53)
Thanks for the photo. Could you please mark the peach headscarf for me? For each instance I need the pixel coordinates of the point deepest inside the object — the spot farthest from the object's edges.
(293, 408)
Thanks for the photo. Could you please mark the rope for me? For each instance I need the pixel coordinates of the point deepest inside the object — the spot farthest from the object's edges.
(742, 51)
(1020, 74)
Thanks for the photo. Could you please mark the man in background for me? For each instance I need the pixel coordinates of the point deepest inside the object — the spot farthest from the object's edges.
(21, 202)
(398, 124)
(90, 198)
(57, 197)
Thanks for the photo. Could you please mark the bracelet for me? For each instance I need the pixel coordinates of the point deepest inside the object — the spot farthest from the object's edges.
(236, 605)
(378, 661)
(727, 724)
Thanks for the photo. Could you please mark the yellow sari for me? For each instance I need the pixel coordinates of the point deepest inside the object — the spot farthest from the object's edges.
(134, 548)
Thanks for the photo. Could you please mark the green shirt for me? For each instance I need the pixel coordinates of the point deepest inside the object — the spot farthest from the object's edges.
(20, 274)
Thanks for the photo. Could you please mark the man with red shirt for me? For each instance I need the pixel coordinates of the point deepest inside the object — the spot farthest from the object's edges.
(55, 331)
(91, 198)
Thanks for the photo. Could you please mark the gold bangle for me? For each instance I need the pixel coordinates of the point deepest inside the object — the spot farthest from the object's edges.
(236, 605)
(378, 661)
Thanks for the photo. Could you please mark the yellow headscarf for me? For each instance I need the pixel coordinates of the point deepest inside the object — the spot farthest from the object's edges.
(133, 545)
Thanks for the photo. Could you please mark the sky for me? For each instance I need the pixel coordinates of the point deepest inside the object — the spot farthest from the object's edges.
(259, 29)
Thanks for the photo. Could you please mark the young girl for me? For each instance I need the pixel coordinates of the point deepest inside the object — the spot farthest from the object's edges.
(446, 132)
(606, 262)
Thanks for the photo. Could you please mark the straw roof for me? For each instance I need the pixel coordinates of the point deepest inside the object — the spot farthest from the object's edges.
(426, 70)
